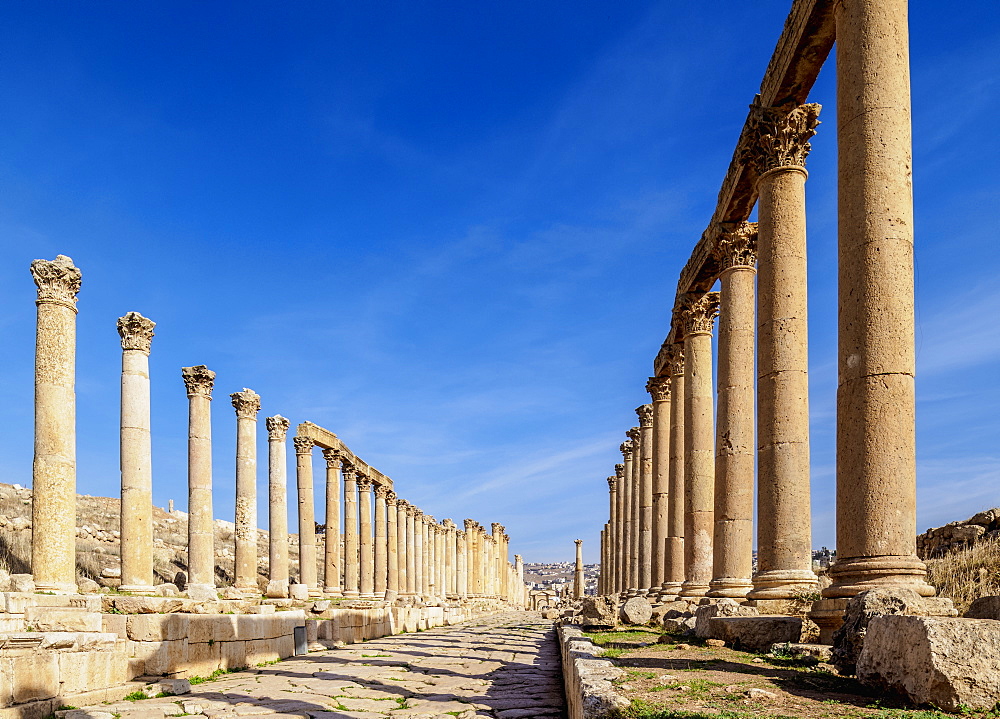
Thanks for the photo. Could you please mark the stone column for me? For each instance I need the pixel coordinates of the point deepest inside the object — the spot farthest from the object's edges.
(352, 570)
(784, 556)
(53, 509)
(602, 558)
(645, 471)
(734, 444)
(659, 391)
(404, 548)
(247, 405)
(418, 553)
(627, 523)
(381, 548)
(519, 578)
(462, 562)
(635, 509)
(331, 536)
(497, 560)
(367, 558)
(609, 567)
(440, 559)
(674, 561)
(199, 381)
(470, 545)
(876, 443)
(136, 456)
(412, 586)
(578, 583)
(699, 444)
(277, 525)
(451, 583)
(308, 571)
(391, 548)
(427, 536)
(620, 533)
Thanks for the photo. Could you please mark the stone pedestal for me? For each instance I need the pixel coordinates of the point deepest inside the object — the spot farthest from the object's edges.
(331, 539)
(674, 561)
(308, 570)
(734, 445)
(876, 441)
(136, 456)
(699, 445)
(247, 405)
(199, 381)
(352, 551)
(277, 474)
(53, 509)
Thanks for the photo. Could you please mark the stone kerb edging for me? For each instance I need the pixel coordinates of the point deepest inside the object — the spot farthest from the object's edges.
(587, 679)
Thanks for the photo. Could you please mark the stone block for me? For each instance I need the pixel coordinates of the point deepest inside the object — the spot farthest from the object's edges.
(704, 614)
(818, 652)
(984, 608)
(601, 611)
(944, 661)
(202, 592)
(34, 676)
(756, 634)
(62, 619)
(86, 671)
(156, 627)
(173, 687)
(211, 627)
(234, 654)
(148, 605)
(22, 583)
(636, 610)
(299, 592)
(262, 650)
(115, 624)
(202, 659)
(162, 657)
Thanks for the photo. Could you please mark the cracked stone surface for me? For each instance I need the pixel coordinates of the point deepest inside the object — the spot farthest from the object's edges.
(504, 667)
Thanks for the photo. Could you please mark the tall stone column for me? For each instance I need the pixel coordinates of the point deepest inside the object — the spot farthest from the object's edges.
(440, 558)
(53, 507)
(699, 444)
(308, 571)
(391, 548)
(635, 509)
(381, 548)
(578, 583)
(603, 560)
(784, 556)
(674, 561)
(352, 551)
(136, 456)
(418, 554)
(277, 525)
(462, 561)
(519, 578)
(620, 533)
(247, 405)
(497, 560)
(609, 567)
(199, 381)
(367, 558)
(403, 547)
(645, 470)
(876, 442)
(412, 585)
(659, 391)
(450, 560)
(734, 444)
(331, 535)
(470, 542)
(628, 505)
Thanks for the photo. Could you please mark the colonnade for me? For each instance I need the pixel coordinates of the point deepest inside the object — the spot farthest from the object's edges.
(680, 517)
(376, 545)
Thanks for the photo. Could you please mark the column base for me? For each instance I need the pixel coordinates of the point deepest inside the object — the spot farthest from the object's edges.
(277, 589)
(828, 615)
(669, 592)
(853, 575)
(693, 589)
(782, 583)
(332, 592)
(367, 596)
(137, 589)
(315, 593)
(57, 587)
(730, 587)
(351, 594)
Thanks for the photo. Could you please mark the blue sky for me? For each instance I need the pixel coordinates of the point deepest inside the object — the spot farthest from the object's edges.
(451, 232)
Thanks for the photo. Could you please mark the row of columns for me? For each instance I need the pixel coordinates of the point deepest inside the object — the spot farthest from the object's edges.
(377, 546)
(681, 503)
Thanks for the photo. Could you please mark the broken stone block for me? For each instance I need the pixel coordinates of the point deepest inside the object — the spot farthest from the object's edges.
(299, 592)
(756, 634)
(984, 608)
(636, 611)
(943, 661)
(62, 619)
(22, 583)
(599, 611)
(704, 614)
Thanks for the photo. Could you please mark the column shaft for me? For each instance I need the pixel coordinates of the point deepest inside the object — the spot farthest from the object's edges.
(659, 390)
(331, 535)
(381, 547)
(412, 586)
(391, 549)
(367, 558)
(308, 571)
(246, 404)
(352, 570)
(674, 562)
(645, 470)
(621, 530)
(277, 494)
(201, 533)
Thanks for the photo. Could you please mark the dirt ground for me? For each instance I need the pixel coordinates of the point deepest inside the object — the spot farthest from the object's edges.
(682, 678)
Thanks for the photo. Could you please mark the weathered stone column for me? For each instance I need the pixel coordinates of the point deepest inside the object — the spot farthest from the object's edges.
(450, 560)
(609, 567)
(462, 561)
(381, 548)
(699, 444)
(391, 548)
(519, 578)
(497, 560)
(470, 543)
(645, 470)
(199, 381)
(402, 547)
(632, 472)
(136, 456)
(418, 554)
(331, 535)
(674, 561)
(308, 571)
(53, 508)
(247, 405)
(620, 531)
(784, 556)
(277, 525)
(412, 585)
(367, 558)
(734, 444)
(626, 448)
(352, 551)
(578, 583)
(659, 391)
(440, 559)
(876, 443)
(603, 560)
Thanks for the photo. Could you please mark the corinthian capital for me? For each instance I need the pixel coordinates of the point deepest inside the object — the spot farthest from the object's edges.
(620, 471)
(779, 136)
(381, 491)
(303, 445)
(612, 484)
(633, 434)
(497, 528)
(332, 457)
(246, 403)
(277, 427)
(626, 449)
(136, 332)
(645, 413)
(364, 482)
(470, 524)
(675, 359)
(390, 498)
(700, 313)
(57, 280)
(658, 388)
(198, 381)
(737, 248)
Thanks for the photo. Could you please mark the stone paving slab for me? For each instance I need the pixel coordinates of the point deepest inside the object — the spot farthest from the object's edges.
(500, 667)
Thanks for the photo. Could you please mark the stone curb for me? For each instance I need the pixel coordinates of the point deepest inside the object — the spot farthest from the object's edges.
(587, 679)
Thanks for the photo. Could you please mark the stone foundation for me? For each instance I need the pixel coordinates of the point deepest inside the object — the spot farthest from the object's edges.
(587, 679)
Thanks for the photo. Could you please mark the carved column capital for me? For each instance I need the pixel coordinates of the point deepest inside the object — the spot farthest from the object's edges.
(198, 381)
(675, 359)
(497, 528)
(277, 427)
(736, 248)
(578, 542)
(246, 403)
(417, 513)
(57, 280)
(626, 448)
(699, 314)
(633, 434)
(428, 518)
(613, 484)
(381, 491)
(620, 471)
(645, 414)
(391, 499)
(332, 457)
(779, 136)
(303, 445)
(136, 332)
(658, 388)
(470, 524)
(364, 482)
